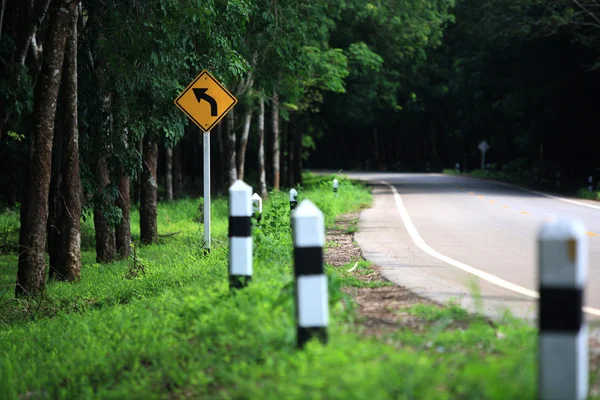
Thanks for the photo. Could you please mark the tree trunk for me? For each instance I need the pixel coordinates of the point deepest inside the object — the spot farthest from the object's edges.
(123, 230)
(137, 184)
(69, 257)
(276, 154)
(231, 143)
(2, 9)
(261, 149)
(31, 275)
(291, 163)
(244, 144)
(177, 172)
(297, 167)
(169, 172)
(148, 192)
(285, 155)
(105, 233)
(38, 14)
(54, 199)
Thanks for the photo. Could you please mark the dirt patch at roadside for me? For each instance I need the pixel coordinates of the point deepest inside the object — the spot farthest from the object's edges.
(380, 308)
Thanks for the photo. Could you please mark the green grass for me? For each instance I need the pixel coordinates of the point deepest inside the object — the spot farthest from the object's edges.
(178, 332)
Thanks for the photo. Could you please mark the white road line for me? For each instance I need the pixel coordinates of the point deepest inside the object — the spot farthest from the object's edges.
(418, 240)
(550, 196)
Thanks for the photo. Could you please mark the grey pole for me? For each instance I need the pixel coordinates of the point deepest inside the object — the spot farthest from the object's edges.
(240, 235)
(257, 207)
(293, 198)
(563, 332)
(312, 302)
(206, 149)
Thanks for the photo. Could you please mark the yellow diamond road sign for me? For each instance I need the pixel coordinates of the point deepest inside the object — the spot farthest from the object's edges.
(205, 101)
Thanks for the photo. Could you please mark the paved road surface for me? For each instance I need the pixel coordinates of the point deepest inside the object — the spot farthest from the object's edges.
(485, 225)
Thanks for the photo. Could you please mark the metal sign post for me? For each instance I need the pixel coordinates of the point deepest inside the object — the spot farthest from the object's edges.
(483, 147)
(206, 150)
(206, 101)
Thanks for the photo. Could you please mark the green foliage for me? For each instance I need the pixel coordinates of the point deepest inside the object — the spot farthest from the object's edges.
(177, 331)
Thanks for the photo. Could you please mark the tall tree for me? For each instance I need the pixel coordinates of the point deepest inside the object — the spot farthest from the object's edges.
(69, 257)
(31, 275)
(261, 148)
(243, 144)
(149, 192)
(169, 172)
(231, 148)
(276, 152)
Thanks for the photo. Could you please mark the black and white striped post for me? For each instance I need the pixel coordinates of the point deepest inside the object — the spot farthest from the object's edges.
(240, 235)
(563, 332)
(293, 198)
(336, 185)
(312, 300)
(458, 167)
(257, 207)
(557, 179)
(590, 183)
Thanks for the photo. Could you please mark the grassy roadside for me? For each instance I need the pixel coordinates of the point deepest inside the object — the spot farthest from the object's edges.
(176, 331)
(581, 192)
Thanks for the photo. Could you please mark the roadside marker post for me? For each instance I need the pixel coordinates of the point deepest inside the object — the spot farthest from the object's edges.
(293, 199)
(590, 183)
(336, 185)
(240, 235)
(257, 207)
(557, 179)
(312, 299)
(458, 167)
(563, 332)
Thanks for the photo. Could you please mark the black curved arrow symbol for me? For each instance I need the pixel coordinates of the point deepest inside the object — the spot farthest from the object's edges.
(201, 94)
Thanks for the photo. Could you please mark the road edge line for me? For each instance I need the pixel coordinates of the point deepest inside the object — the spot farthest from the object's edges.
(420, 243)
(524, 189)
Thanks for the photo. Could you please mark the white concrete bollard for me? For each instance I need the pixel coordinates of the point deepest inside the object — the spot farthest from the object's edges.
(293, 198)
(312, 300)
(590, 182)
(336, 185)
(563, 332)
(257, 207)
(240, 235)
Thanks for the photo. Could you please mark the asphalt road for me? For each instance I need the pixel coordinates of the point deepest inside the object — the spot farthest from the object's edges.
(488, 228)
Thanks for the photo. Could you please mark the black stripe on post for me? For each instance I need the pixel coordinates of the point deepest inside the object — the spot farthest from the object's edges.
(293, 204)
(240, 226)
(306, 334)
(560, 309)
(309, 261)
(239, 281)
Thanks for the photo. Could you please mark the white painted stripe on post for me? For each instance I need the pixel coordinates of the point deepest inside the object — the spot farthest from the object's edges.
(563, 380)
(563, 254)
(240, 204)
(240, 256)
(313, 307)
(309, 225)
(293, 194)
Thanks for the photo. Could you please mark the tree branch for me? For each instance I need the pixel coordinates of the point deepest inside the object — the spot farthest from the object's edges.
(37, 17)
(584, 8)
